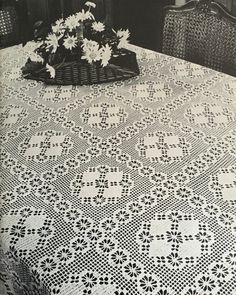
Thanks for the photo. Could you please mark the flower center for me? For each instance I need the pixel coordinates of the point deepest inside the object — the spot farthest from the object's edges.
(92, 55)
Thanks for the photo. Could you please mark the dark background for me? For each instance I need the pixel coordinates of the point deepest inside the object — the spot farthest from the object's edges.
(141, 17)
(143, 20)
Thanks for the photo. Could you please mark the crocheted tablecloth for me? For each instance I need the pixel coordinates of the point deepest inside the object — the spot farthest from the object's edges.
(125, 188)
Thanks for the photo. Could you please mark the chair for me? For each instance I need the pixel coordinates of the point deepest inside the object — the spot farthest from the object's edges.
(13, 22)
(203, 32)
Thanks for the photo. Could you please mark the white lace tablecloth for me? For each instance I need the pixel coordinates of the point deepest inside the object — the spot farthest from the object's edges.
(125, 188)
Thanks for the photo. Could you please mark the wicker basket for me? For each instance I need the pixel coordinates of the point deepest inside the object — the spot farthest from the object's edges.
(120, 67)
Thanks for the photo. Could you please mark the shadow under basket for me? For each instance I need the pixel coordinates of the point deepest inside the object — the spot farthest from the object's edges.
(120, 67)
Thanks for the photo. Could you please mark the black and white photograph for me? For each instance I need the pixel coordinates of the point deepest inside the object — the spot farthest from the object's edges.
(118, 147)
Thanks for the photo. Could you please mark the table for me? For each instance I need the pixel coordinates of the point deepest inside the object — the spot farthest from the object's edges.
(124, 188)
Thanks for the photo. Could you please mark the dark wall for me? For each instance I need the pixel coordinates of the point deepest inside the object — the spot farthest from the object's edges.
(46, 10)
(142, 18)
(51, 10)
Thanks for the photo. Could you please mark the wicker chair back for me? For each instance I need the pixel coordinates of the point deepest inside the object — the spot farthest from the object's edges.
(203, 32)
(13, 22)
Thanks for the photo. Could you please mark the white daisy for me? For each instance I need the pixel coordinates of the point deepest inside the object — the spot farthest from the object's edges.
(91, 51)
(82, 16)
(52, 41)
(98, 26)
(59, 22)
(59, 26)
(56, 29)
(90, 4)
(90, 44)
(91, 55)
(123, 35)
(89, 15)
(72, 22)
(51, 70)
(105, 53)
(70, 42)
(123, 43)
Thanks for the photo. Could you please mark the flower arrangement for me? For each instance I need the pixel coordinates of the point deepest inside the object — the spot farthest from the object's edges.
(79, 38)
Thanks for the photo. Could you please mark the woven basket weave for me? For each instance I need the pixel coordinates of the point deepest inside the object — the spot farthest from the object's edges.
(120, 67)
(203, 32)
